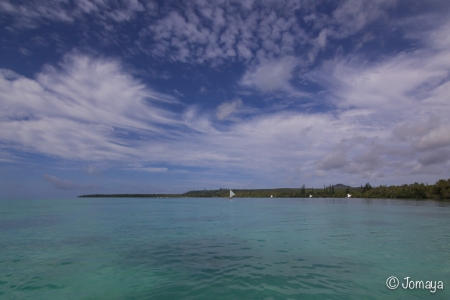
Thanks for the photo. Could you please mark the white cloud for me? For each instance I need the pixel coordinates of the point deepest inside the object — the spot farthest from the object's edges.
(6, 157)
(353, 15)
(149, 169)
(34, 14)
(211, 32)
(271, 76)
(400, 101)
(319, 43)
(334, 160)
(178, 93)
(437, 138)
(92, 170)
(208, 31)
(412, 130)
(403, 82)
(80, 110)
(228, 108)
(203, 90)
(194, 119)
(436, 157)
(61, 184)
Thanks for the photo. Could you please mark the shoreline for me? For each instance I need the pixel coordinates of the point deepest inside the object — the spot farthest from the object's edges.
(438, 191)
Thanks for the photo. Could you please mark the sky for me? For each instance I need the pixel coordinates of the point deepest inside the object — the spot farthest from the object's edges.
(134, 96)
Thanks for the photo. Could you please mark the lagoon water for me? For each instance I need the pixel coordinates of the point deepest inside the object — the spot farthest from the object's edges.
(216, 249)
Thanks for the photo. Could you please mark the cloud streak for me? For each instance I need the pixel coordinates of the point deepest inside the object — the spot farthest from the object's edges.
(272, 76)
(81, 109)
(61, 184)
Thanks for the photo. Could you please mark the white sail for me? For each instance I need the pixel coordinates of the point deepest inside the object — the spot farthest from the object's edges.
(349, 196)
(310, 196)
(231, 194)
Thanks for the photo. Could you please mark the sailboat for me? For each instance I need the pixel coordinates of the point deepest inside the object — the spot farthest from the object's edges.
(231, 194)
(349, 196)
(310, 196)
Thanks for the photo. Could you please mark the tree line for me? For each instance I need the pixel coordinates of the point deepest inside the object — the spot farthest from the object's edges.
(439, 190)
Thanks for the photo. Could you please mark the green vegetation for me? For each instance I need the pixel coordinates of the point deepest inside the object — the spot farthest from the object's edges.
(130, 196)
(259, 193)
(440, 190)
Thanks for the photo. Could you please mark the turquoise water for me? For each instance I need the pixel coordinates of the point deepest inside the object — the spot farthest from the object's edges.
(217, 249)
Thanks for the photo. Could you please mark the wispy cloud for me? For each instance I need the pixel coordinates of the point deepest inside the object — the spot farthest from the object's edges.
(62, 184)
(35, 14)
(398, 99)
(147, 169)
(228, 108)
(81, 109)
(272, 76)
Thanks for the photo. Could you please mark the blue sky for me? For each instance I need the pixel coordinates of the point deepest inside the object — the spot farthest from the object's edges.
(134, 96)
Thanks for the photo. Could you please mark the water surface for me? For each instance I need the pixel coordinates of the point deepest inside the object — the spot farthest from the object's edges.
(216, 249)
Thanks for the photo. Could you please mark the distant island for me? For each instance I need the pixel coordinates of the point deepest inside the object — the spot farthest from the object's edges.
(439, 190)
